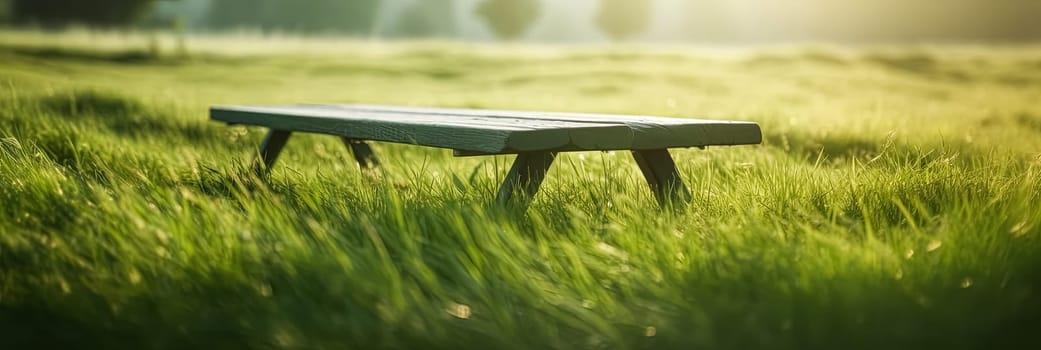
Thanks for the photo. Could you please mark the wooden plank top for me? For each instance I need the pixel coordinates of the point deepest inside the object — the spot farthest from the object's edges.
(494, 131)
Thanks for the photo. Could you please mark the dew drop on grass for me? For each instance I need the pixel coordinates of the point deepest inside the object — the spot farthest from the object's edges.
(140, 224)
(50, 243)
(966, 282)
(1019, 229)
(609, 249)
(460, 311)
(650, 331)
(283, 338)
(657, 277)
(933, 246)
(162, 236)
(65, 288)
(264, 290)
(134, 277)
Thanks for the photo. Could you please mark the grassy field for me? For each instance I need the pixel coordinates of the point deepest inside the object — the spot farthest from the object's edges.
(894, 203)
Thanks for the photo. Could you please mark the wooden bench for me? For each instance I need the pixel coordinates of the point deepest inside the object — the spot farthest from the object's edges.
(535, 137)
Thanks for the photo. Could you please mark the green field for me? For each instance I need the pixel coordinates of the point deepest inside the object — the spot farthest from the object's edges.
(894, 203)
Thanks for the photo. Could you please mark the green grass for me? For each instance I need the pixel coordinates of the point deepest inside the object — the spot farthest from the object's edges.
(894, 203)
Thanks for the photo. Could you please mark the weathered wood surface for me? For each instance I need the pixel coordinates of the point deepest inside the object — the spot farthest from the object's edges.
(494, 131)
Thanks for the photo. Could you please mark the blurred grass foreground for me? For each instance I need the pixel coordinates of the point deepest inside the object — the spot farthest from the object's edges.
(894, 203)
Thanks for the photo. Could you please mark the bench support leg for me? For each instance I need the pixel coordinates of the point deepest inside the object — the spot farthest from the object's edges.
(270, 148)
(524, 178)
(362, 153)
(665, 181)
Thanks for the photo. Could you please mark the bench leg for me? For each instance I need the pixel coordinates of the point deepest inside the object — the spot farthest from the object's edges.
(525, 177)
(362, 153)
(665, 181)
(270, 148)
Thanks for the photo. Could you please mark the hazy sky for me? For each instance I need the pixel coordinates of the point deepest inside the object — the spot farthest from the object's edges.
(754, 21)
(741, 21)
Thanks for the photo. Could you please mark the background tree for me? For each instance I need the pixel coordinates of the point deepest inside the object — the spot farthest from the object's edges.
(318, 16)
(621, 19)
(99, 13)
(237, 13)
(428, 18)
(300, 16)
(509, 19)
(5, 11)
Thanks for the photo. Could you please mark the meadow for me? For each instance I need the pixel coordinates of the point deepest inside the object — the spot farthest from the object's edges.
(893, 204)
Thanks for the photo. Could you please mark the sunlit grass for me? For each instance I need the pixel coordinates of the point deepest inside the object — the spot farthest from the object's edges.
(893, 204)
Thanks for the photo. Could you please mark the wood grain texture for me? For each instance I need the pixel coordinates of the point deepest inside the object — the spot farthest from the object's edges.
(479, 131)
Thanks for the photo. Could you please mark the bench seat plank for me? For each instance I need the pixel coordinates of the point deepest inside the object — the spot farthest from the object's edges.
(494, 131)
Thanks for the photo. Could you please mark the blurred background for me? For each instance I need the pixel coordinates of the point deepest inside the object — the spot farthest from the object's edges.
(571, 21)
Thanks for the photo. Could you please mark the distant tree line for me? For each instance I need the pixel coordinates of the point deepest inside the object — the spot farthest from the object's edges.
(506, 19)
(303, 16)
(861, 21)
(694, 20)
(5, 11)
(509, 19)
(427, 18)
(97, 13)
